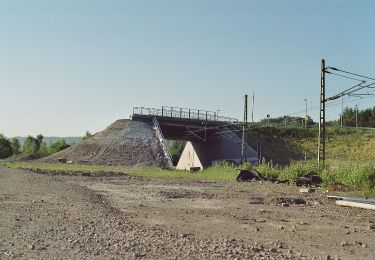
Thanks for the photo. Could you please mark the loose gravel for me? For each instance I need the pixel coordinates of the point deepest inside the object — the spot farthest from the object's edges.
(125, 142)
(125, 217)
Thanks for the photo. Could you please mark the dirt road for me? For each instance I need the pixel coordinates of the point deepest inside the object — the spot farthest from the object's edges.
(45, 216)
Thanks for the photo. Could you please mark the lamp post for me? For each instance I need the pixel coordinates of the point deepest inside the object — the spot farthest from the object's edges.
(305, 113)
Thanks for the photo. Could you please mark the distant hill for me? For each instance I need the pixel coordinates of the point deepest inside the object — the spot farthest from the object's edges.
(53, 139)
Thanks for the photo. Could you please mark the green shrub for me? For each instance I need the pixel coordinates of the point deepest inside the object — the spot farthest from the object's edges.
(5, 147)
(268, 170)
(299, 169)
(329, 177)
(31, 145)
(175, 149)
(58, 146)
(43, 150)
(15, 145)
(360, 177)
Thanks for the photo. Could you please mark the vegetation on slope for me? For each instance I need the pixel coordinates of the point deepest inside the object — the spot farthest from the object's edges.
(284, 145)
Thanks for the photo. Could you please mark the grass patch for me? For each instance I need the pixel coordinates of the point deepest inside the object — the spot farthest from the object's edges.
(224, 172)
(359, 177)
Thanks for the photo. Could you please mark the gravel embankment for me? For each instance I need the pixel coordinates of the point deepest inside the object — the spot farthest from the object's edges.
(125, 142)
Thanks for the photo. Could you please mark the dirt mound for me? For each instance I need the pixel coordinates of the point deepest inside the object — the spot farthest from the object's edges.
(125, 142)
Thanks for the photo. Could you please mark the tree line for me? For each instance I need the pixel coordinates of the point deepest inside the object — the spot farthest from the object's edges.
(350, 117)
(33, 146)
(362, 118)
(293, 121)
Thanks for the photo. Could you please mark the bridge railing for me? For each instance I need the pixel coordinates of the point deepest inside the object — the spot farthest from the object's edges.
(186, 113)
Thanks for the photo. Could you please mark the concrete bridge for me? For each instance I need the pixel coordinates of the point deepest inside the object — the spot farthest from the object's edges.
(210, 138)
(183, 123)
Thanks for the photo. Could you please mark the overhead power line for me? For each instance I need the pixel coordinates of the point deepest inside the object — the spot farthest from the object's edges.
(343, 76)
(323, 100)
(347, 91)
(351, 73)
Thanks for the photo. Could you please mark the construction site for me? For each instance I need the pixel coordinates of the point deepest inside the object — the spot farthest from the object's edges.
(50, 208)
(187, 130)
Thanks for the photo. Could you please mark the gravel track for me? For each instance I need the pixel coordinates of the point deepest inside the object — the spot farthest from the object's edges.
(49, 217)
(126, 217)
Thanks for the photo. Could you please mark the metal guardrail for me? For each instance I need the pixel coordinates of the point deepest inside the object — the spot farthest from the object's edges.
(186, 113)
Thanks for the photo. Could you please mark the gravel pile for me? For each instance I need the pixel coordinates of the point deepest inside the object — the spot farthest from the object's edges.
(125, 142)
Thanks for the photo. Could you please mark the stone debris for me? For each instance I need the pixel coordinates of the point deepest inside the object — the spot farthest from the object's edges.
(309, 180)
(249, 175)
(306, 190)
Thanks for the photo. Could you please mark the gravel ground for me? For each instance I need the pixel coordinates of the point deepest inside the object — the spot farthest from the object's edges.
(125, 142)
(44, 216)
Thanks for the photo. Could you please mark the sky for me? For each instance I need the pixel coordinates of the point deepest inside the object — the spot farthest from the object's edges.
(67, 67)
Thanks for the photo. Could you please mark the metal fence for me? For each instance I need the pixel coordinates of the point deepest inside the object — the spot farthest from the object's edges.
(186, 113)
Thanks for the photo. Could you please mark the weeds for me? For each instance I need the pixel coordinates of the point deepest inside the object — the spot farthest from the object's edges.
(359, 177)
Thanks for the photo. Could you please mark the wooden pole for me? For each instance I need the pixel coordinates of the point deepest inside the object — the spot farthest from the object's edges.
(244, 126)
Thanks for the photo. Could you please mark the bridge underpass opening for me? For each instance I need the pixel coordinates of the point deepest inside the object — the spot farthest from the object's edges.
(209, 138)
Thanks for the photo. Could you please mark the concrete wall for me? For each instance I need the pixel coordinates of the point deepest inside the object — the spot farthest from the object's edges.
(189, 158)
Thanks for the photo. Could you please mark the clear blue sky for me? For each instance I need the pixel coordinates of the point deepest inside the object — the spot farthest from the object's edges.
(71, 66)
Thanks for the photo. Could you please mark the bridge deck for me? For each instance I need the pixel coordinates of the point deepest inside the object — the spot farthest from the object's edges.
(183, 114)
(178, 123)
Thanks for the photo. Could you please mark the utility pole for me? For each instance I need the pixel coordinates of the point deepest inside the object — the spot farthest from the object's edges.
(217, 115)
(244, 126)
(252, 109)
(306, 114)
(285, 121)
(342, 111)
(356, 116)
(322, 114)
